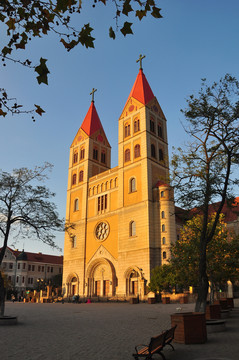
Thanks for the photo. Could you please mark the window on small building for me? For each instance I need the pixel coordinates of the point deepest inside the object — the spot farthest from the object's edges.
(76, 205)
(164, 240)
(51, 269)
(33, 267)
(39, 268)
(160, 154)
(74, 179)
(81, 176)
(160, 131)
(75, 157)
(29, 267)
(9, 278)
(136, 125)
(103, 157)
(132, 185)
(164, 255)
(153, 152)
(163, 227)
(60, 270)
(102, 202)
(82, 154)
(17, 280)
(42, 269)
(11, 266)
(23, 279)
(18, 266)
(152, 126)
(163, 215)
(73, 244)
(127, 155)
(137, 151)
(95, 154)
(127, 130)
(162, 194)
(48, 268)
(24, 266)
(132, 228)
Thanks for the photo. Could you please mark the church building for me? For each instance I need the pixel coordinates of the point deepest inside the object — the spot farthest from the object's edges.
(121, 219)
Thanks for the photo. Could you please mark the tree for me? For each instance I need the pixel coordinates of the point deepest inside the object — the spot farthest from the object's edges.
(162, 278)
(25, 207)
(222, 254)
(24, 19)
(203, 171)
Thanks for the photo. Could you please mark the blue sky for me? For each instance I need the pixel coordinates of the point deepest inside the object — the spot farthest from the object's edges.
(194, 40)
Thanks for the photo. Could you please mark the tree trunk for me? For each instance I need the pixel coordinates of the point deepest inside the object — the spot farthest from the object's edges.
(2, 295)
(203, 278)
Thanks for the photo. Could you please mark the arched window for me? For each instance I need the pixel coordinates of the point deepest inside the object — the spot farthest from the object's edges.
(132, 228)
(162, 193)
(136, 125)
(160, 131)
(137, 151)
(74, 179)
(160, 154)
(163, 215)
(164, 240)
(75, 157)
(76, 205)
(152, 126)
(132, 185)
(82, 154)
(95, 154)
(127, 155)
(164, 255)
(81, 176)
(127, 130)
(153, 153)
(163, 227)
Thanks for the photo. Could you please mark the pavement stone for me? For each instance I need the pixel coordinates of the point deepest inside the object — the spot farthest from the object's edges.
(104, 331)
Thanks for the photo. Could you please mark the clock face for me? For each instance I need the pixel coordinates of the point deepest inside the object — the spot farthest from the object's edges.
(102, 231)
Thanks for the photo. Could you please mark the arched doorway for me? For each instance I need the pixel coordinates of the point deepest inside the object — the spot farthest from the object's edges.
(101, 278)
(134, 282)
(72, 285)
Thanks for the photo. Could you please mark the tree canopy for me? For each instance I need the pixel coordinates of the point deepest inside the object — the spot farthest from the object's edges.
(27, 19)
(203, 170)
(25, 207)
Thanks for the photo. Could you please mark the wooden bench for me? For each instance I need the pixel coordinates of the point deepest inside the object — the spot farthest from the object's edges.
(156, 345)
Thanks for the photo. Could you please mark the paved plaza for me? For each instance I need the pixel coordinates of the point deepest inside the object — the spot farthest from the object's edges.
(104, 331)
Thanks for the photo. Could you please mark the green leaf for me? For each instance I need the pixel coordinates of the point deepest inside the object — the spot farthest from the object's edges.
(141, 13)
(85, 37)
(42, 70)
(156, 13)
(126, 29)
(39, 110)
(111, 33)
(2, 113)
(127, 7)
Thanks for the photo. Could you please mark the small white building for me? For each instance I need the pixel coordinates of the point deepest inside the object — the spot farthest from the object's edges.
(25, 269)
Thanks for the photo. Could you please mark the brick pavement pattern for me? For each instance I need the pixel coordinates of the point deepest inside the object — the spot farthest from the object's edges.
(104, 331)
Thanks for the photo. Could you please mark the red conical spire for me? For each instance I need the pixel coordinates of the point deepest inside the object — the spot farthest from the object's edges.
(141, 90)
(91, 122)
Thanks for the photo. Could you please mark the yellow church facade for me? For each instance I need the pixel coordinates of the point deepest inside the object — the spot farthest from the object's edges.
(121, 219)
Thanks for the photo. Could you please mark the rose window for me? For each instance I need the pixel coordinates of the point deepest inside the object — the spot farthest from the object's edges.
(102, 231)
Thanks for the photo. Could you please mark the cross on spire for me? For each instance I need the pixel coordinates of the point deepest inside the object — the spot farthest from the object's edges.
(92, 93)
(140, 61)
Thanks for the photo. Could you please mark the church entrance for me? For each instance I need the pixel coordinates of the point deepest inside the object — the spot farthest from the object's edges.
(72, 285)
(101, 278)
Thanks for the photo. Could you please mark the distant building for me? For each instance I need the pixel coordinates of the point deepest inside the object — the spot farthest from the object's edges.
(25, 269)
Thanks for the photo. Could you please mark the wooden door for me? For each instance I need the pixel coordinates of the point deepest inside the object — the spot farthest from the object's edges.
(97, 288)
(106, 287)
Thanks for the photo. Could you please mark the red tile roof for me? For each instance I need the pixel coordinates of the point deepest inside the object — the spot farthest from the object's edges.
(91, 122)
(39, 257)
(141, 90)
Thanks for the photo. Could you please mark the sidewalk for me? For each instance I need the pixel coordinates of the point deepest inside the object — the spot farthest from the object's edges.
(104, 331)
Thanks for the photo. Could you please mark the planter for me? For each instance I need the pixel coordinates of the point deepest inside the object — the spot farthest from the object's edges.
(191, 328)
(166, 300)
(222, 303)
(151, 300)
(183, 299)
(133, 300)
(213, 312)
